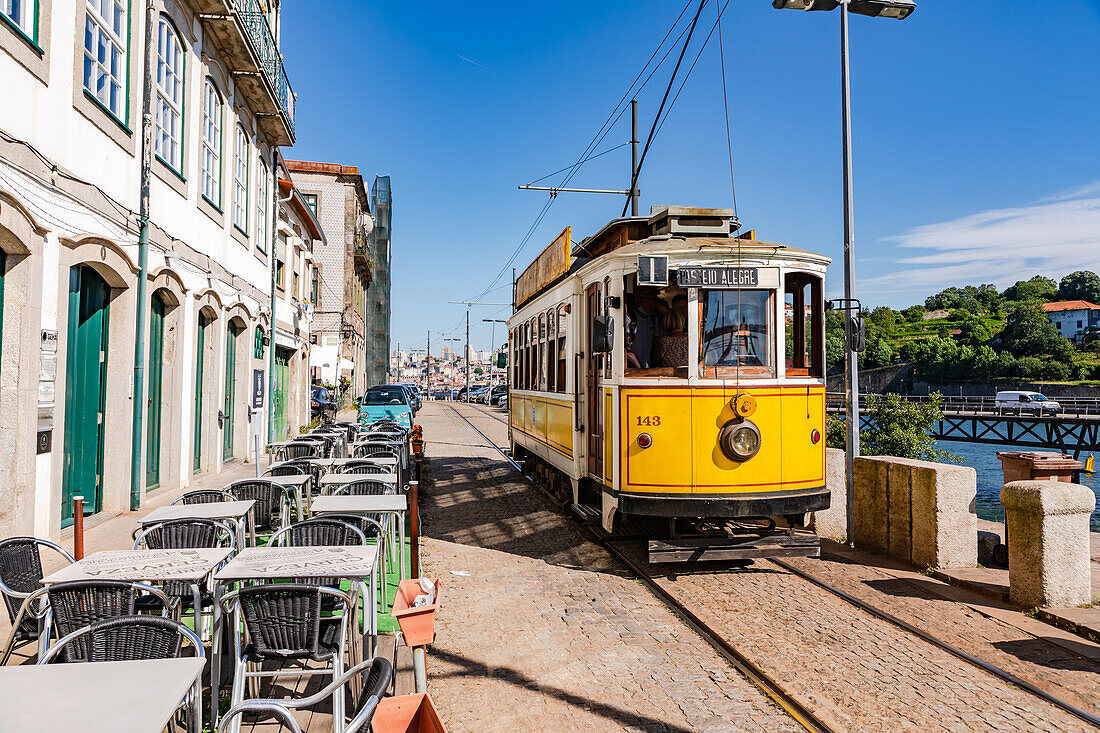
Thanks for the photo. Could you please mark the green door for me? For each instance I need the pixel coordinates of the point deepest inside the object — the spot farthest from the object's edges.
(230, 390)
(156, 373)
(200, 360)
(85, 392)
(278, 395)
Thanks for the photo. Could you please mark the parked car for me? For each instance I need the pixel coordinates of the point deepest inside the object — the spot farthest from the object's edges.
(388, 402)
(503, 402)
(1019, 402)
(441, 394)
(500, 389)
(475, 392)
(321, 404)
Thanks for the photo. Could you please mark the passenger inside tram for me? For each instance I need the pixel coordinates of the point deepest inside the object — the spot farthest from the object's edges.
(656, 328)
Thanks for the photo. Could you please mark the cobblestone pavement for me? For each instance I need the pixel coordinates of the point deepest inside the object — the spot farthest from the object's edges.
(862, 674)
(545, 633)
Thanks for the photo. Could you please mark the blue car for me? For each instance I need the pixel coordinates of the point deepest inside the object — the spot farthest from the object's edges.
(385, 403)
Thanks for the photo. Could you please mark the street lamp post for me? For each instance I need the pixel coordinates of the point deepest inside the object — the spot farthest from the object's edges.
(899, 9)
(492, 353)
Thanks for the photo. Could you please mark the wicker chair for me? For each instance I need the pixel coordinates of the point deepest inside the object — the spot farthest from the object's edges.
(365, 468)
(297, 467)
(298, 449)
(205, 496)
(269, 513)
(364, 487)
(79, 603)
(186, 534)
(126, 638)
(379, 677)
(285, 622)
(20, 577)
(367, 451)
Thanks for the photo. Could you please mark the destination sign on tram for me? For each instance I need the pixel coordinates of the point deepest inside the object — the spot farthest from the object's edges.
(718, 277)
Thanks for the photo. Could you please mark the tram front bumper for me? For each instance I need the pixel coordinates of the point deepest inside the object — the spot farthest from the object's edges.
(728, 505)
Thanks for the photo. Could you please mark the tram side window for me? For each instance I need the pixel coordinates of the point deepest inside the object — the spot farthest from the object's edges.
(551, 352)
(562, 354)
(532, 335)
(542, 353)
(803, 315)
(515, 358)
(737, 333)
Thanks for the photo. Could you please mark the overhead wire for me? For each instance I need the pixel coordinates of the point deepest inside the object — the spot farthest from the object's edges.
(664, 100)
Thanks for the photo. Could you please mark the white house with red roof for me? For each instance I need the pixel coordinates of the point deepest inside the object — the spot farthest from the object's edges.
(1072, 317)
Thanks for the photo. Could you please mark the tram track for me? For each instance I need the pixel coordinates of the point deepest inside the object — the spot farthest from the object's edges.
(758, 677)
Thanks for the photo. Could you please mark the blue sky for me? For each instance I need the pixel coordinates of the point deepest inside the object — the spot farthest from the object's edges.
(975, 148)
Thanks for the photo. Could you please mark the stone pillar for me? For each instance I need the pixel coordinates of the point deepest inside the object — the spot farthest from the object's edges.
(832, 522)
(871, 507)
(1047, 526)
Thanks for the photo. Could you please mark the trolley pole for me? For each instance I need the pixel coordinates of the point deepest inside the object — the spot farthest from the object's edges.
(634, 156)
(428, 365)
(467, 355)
(851, 358)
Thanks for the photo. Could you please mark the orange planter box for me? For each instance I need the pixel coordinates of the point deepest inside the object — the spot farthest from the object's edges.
(417, 624)
(407, 714)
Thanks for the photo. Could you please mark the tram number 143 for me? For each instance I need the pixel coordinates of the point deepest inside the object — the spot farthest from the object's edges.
(649, 421)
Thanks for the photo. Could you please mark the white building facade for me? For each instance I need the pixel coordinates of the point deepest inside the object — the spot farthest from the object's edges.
(71, 76)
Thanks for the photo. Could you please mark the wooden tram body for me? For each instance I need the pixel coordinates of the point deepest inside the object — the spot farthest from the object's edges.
(617, 440)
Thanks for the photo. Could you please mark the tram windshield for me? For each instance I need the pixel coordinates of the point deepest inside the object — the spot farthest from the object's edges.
(737, 333)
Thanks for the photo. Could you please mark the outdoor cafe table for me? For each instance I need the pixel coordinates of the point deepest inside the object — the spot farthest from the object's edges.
(193, 567)
(351, 562)
(395, 504)
(98, 697)
(220, 511)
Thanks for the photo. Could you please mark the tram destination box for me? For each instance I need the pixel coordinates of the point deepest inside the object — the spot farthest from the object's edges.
(718, 277)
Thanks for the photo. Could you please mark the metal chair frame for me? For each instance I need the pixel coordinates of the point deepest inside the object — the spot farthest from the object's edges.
(232, 604)
(199, 496)
(18, 634)
(193, 699)
(379, 677)
(288, 499)
(55, 592)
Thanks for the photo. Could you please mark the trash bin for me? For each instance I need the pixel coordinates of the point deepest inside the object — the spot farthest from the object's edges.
(1039, 466)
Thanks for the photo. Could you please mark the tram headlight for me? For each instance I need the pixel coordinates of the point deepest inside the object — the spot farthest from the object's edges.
(739, 440)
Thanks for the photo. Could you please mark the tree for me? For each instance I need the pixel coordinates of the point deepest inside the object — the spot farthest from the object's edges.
(835, 342)
(974, 330)
(1028, 332)
(1080, 285)
(1037, 288)
(885, 318)
(478, 371)
(902, 428)
(944, 300)
(914, 313)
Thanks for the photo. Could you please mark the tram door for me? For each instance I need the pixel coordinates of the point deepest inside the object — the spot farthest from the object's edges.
(593, 381)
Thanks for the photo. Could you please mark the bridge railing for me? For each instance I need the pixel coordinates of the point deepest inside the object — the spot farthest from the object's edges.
(954, 405)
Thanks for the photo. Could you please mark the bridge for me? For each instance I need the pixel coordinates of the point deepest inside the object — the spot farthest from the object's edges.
(1073, 429)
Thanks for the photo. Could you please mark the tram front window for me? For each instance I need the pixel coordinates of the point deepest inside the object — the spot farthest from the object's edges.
(738, 333)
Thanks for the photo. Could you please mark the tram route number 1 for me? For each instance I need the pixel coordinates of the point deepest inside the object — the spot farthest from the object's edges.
(718, 277)
(650, 421)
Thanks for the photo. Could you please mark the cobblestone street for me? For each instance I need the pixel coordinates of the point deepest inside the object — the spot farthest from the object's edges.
(548, 633)
(545, 633)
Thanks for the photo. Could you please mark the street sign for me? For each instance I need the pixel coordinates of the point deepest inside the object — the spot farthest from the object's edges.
(258, 387)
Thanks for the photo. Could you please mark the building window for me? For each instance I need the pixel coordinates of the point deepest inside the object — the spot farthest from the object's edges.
(261, 206)
(211, 144)
(105, 35)
(280, 278)
(23, 14)
(240, 181)
(311, 202)
(170, 62)
(315, 288)
(294, 293)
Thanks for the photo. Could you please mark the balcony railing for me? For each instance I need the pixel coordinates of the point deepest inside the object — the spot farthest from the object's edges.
(259, 32)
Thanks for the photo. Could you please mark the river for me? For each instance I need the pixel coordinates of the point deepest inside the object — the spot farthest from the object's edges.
(983, 459)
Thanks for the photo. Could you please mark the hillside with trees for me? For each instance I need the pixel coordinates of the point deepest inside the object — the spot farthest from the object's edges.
(979, 333)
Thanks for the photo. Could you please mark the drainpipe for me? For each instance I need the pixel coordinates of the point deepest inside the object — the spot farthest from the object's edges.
(271, 325)
(136, 475)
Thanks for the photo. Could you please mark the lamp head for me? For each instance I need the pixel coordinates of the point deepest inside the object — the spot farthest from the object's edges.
(897, 9)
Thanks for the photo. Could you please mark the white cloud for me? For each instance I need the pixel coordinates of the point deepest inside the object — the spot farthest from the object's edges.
(1051, 236)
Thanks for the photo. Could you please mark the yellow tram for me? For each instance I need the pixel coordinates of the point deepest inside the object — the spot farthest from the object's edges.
(667, 368)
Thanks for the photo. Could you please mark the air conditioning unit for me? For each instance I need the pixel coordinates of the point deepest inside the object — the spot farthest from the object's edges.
(692, 221)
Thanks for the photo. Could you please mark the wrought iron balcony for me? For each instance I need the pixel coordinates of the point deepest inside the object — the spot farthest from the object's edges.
(253, 58)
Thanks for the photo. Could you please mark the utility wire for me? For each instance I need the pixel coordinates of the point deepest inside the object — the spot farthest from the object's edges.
(591, 157)
(726, 108)
(598, 138)
(656, 119)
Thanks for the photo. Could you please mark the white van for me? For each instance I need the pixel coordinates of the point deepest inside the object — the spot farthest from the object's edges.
(1019, 402)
